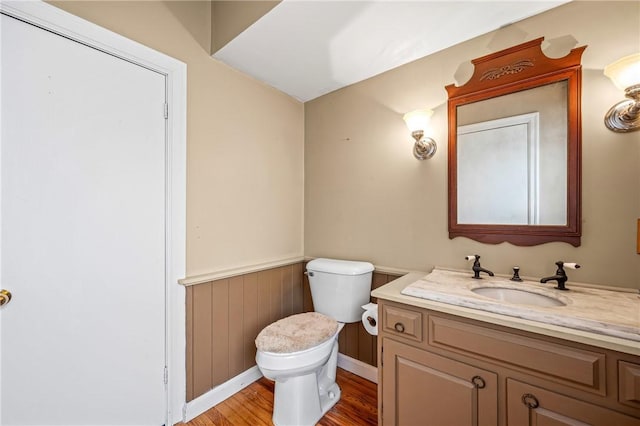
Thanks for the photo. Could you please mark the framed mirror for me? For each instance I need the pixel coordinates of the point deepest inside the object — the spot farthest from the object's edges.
(515, 148)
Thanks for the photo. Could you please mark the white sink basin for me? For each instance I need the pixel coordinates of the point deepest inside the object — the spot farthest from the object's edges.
(522, 297)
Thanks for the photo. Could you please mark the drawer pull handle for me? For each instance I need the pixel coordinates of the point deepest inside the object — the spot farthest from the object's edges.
(399, 327)
(530, 401)
(478, 382)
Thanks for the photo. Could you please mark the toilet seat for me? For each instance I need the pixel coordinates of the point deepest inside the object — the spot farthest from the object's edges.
(296, 333)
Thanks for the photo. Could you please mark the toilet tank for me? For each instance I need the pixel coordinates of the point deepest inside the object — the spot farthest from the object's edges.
(339, 288)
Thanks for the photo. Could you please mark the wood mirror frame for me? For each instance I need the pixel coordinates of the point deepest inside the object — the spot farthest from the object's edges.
(513, 70)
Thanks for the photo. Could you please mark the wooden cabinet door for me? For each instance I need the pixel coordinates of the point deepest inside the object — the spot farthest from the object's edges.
(529, 405)
(421, 388)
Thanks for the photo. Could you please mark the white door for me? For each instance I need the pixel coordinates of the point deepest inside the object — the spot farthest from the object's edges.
(82, 224)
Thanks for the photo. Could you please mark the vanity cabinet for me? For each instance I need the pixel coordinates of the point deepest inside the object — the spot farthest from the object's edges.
(443, 369)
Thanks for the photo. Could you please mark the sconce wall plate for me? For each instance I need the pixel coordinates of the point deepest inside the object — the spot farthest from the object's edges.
(624, 116)
(425, 147)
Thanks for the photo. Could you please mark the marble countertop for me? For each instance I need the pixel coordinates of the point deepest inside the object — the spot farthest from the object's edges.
(595, 316)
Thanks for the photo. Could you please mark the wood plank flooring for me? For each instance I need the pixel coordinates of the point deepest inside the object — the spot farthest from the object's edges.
(254, 404)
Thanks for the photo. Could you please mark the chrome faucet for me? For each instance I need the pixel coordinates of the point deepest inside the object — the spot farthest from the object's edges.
(561, 276)
(476, 267)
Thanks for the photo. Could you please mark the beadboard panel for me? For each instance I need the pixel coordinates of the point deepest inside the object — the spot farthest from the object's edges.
(225, 316)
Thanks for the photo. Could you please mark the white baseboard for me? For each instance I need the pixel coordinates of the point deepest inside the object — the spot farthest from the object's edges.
(218, 394)
(358, 368)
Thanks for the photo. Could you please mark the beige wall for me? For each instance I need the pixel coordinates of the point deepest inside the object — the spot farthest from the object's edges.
(244, 143)
(367, 198)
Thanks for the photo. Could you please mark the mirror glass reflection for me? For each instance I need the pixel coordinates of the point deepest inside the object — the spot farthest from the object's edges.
(512, 158)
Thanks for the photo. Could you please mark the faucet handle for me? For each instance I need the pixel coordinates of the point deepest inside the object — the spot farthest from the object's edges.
(472, 257)
(561, 265)
(571, 265)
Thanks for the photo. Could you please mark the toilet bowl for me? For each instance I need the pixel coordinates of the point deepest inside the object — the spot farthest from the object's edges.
(300, 352)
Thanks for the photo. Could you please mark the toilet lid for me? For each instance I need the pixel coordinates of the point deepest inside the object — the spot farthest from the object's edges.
(296, 333)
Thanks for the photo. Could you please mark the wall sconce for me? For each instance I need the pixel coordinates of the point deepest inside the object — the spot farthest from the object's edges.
(418, 122)
(625, 73)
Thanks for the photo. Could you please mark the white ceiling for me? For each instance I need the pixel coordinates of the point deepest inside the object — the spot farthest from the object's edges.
(309, 48)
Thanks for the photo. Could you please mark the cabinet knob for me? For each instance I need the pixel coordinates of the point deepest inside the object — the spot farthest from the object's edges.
(399, 327)
(478, 382)
(530, 400)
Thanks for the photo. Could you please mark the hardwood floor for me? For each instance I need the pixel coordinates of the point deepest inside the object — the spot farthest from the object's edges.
(254, 404)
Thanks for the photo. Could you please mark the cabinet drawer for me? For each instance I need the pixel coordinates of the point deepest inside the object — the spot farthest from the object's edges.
(575, 367)
(402, 322)
(629, 383)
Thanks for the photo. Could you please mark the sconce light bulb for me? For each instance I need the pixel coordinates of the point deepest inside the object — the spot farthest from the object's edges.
(418, 119)
(624, 72)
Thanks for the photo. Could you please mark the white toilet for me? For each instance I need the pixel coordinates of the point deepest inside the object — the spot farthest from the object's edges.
(300, 352)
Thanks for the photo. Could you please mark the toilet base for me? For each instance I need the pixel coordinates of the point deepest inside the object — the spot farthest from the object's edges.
(303, 400)
(297, 402)
(328, 400)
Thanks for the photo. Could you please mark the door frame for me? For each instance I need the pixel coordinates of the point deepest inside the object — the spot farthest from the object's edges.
(67, 25)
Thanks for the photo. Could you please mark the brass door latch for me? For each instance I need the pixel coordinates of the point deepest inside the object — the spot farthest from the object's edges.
(5, 297)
